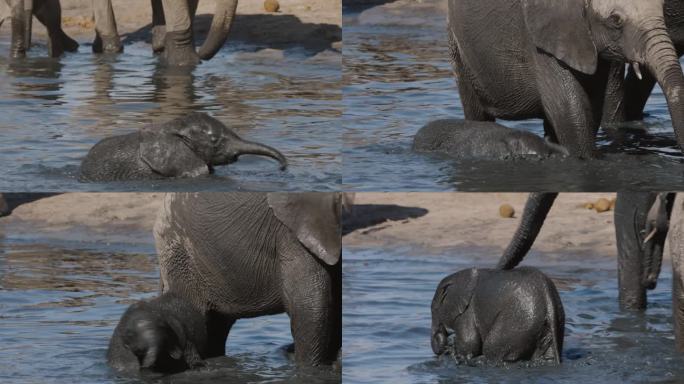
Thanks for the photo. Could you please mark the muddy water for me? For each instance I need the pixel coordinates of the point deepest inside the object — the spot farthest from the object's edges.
(387, 295)
(397, 77)
(60, 300)
(55, 110)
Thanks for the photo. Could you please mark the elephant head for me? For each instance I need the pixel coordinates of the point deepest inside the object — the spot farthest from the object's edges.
(314, 218)
(207, 138)
(452, 298)
(158, 342)
(577, 32)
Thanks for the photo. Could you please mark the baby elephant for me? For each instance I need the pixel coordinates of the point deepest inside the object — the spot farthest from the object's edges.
(481, 139)
(185, 147)
(165, 334)
(504, 315)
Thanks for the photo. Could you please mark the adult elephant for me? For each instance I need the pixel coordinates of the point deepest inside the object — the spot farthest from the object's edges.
(627, 96)
(676, 242)
(640, 229)
(557, 60)
(172, 22)
(239, 255)
(49, 13)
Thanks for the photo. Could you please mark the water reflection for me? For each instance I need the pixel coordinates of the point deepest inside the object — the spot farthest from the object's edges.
(397, 77)
(60, 108)
(387, 294)
(60, 301)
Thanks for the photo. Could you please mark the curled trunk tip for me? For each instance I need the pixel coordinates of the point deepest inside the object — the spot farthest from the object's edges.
(251, 148)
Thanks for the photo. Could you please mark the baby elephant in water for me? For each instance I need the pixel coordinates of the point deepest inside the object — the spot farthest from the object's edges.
(165, 334)
(185, 147)
(481, 139)
(504, 315)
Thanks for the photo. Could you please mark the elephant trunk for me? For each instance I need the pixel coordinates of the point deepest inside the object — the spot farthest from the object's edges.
(536, 209)
(244, 147)
(220, 27)
(28, 21)
(662, 61)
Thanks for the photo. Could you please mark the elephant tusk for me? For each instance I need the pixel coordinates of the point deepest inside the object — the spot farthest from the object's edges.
(650, 235)
(637, 70)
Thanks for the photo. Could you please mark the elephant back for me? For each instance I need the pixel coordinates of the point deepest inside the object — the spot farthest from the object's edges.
(114, 158)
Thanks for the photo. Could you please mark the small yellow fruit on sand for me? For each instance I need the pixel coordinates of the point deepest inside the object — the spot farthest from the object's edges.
(602, 205)
(506, 211)
(271, 5)
(588, 205)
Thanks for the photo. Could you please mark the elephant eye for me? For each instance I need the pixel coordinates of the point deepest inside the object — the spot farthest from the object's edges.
(616, 20)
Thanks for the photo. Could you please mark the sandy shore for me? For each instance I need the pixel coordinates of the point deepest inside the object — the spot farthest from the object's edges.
(310, 23)
(430, 220)
(472, 219)
(87, 217)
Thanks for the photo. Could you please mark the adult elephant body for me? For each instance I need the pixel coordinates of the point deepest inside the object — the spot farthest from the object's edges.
(520, 59)
(676, 242)
(239, 255)
(172, 22)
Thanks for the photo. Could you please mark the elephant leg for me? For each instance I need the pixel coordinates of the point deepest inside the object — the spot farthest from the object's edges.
(505, 344)
(28, 23)
(472, 107)
(158, 26)
(312, 297)
(567, 106)
(630, 220)
(18, 20)
(218, 328)
(677, 255)
(49, 13)
(614, 100)
(106, 33)
(637, 93)
(179, 47)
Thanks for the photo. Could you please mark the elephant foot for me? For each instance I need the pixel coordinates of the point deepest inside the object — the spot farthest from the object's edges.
(18, 49)
(69, 44)
(107, 44)
(179, 50)
(57, 46)
(158, 34)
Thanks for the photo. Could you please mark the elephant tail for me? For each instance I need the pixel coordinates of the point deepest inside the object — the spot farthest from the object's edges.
(537, 207)
(555, 320)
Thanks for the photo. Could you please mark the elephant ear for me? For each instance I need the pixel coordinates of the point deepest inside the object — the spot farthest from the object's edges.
(166, 154)
(314, 218)
(456, 295)
(560, 28)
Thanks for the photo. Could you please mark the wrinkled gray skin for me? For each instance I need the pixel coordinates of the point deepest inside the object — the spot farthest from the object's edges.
(49, 13)
(502, 315)
(165, 334)
(557, 61)
(676, 243)
(626, 97)
(189, 146)
(640, 227)
(240, 255)
(481, 139)
(172, 31)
